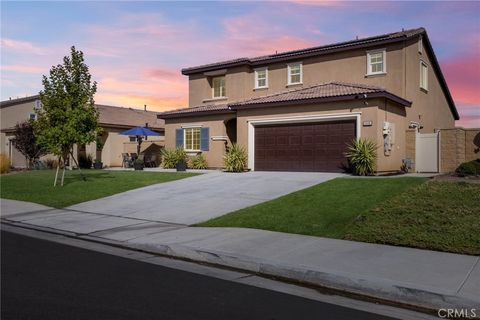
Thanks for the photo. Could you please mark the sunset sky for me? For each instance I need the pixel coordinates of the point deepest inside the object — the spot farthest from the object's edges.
(135, 50)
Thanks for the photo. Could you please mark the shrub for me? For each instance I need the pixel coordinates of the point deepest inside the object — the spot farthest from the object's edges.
(4, 164)
(170, 157)
(85, 161)
(51, 163)
(470, 168)
(235, 159)
(198, 162)
(362, 156)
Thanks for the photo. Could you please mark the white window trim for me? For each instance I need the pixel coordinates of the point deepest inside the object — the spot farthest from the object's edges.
(185, 139)
(289, 73)
(384, 54)
(423, 63)
(256, 77)
(295, 119)
(213, 88)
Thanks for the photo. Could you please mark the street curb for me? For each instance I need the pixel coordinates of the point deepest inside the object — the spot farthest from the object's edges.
(386, 292)
(371, 289)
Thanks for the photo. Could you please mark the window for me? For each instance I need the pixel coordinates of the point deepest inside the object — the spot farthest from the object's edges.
(295, 73)
(32, 116)
(218, 87)
(423, 75)
(192, 139)
(420, 45)
(261, 78)
(376, 61)
(132, 138)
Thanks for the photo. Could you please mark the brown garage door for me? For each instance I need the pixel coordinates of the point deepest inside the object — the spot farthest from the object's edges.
(303, 147)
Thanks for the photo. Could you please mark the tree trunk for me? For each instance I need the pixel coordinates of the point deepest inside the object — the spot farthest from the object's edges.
(79, 170)
(56, 174)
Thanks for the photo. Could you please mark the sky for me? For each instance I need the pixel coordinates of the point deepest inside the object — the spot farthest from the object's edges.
(135, 50)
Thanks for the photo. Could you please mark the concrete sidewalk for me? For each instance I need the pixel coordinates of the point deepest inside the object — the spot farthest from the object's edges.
(420, 278)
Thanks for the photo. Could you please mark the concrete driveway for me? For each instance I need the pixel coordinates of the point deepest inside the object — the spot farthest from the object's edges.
(200, 198)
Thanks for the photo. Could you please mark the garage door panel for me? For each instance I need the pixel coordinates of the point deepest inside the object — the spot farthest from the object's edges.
(303, 147)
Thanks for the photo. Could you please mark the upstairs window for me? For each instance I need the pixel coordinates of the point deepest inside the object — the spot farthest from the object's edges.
(192, 139)
(420, 45)
(295, 73)
(218, 87)
(376, 61)
(261, 78)
(423, 75)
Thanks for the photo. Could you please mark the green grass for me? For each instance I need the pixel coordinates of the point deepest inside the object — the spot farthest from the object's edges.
(37, 186)
(442, 216)
(411, 212)
(322, 210)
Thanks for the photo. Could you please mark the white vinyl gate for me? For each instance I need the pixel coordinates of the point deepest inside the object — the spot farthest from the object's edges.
(426, 152)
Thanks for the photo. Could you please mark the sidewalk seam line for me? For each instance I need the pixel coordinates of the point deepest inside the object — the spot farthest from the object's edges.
(468, 275)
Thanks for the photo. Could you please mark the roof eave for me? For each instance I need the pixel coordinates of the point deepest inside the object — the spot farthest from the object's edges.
(443, 82)
(193, 114)
(193, 70)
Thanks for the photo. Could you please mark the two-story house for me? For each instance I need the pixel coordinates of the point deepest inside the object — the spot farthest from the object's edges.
(297, 111)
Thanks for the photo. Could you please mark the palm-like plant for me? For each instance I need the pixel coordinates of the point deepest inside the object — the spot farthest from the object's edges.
(235, 159)
(362, 156)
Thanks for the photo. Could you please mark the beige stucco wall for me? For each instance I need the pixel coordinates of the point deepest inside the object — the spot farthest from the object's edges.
(216, 123)
(429, 108)
(402, 78)
(9, 117)
(375, 111)
(457, 145)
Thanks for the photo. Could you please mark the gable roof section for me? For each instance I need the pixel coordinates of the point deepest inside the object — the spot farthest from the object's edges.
(332, 91)
(314, 51)
(336, 47)
(128, 117)
(11, 102)
(109, 115)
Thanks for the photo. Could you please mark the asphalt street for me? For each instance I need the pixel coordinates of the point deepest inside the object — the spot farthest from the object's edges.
(47, 280)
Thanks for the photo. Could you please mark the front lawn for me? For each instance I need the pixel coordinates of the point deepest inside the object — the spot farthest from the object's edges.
(442, 216)
(398, 211)
(37, 186)
(323, 210)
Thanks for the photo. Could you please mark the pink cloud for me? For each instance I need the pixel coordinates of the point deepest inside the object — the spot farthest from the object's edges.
(23, 68)
(463, 77)
(18, 45)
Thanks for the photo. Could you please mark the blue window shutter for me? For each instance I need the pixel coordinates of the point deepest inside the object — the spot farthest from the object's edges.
(204, 139)
(179, 137)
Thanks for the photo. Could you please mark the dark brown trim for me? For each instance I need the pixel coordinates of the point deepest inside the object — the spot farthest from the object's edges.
(359, 97)
(300, 54)
(438, 70)
(193, 114)
(12, 102)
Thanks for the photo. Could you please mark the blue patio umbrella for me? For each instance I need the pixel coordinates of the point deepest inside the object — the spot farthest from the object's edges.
(139, 132)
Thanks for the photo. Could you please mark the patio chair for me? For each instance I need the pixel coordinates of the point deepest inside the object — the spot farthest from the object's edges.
(150, 161)
(126, 161)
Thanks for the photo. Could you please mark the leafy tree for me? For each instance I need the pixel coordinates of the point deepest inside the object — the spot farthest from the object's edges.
(68, 115)
(26, 142)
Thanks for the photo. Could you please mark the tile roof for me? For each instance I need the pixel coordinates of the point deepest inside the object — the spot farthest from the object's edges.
(109, 115)
(119, 116)
(211, 108)
(395, 36)
(330, 91)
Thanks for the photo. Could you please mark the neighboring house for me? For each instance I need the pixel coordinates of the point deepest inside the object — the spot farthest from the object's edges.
(296, 111)
(113, 120)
